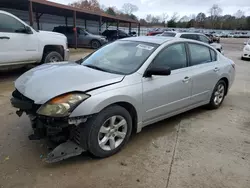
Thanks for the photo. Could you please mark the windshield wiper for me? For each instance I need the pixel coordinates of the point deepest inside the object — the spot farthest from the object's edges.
(95, 67)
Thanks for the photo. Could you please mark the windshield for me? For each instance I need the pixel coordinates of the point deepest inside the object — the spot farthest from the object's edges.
(82, 31)
(120, 57)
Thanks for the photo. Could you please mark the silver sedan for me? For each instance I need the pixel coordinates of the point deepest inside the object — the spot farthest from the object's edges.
(94, 104)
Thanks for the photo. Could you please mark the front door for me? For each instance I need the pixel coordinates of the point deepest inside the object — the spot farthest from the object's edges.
(163, 95)
(15, 44)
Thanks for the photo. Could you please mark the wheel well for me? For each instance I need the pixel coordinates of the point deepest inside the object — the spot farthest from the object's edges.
(52, 48)
(226, 81)
(132, 111)
(94, 40)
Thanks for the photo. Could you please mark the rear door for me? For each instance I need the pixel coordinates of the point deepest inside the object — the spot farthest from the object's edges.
(205, 71)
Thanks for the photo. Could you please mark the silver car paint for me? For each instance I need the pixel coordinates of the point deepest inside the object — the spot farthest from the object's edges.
(153, 98)
(48, 81)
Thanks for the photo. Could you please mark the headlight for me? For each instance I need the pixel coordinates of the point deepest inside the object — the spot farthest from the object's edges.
(62, 105)
(247, 48)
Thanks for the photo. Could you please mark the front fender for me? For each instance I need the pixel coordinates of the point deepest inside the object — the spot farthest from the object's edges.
(96, 103)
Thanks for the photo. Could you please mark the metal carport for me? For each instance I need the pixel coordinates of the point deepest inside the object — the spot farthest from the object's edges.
(37, 8)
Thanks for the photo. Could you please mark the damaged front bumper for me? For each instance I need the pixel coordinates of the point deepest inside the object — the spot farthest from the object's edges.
(63, 131)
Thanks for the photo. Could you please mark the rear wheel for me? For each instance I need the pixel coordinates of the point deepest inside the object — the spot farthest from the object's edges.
(218, 95)
(109, 131)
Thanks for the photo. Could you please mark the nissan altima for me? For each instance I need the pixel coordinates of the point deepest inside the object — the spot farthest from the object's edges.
(95, 104)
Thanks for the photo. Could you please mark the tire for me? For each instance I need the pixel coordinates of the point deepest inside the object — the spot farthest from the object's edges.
(95, 44)
(95, 137)
(51, 57)
(242, 58)
(214, 104)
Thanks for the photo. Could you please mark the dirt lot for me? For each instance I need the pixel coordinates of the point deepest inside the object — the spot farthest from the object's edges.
(201, 148)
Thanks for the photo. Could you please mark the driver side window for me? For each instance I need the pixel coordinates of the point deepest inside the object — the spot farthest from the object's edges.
(173, 56)
(9, 24)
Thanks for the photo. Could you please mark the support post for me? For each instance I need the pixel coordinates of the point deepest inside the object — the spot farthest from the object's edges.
(129, 31)
(37, 21)
(100, 25)
(31, 14)
(117, 28)
(66, 21)
(75, 29)
(139, 29)
(85, 24)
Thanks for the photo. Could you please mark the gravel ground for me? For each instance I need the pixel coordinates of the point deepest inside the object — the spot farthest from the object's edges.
(196, 149)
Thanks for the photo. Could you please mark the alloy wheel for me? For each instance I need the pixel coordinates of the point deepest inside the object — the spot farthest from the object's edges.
(219, 94)
(112, 133)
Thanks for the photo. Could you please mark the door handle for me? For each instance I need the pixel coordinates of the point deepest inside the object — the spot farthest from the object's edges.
(186, 79)
(216, 69)
(5, 38)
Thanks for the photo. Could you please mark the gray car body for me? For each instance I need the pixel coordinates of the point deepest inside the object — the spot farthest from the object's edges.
(85, 39)
(153, 99)
(217, 46)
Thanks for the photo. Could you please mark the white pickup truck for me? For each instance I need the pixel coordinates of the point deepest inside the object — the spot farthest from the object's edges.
(21, 44)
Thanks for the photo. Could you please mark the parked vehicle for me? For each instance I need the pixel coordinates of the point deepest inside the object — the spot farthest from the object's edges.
(21, 44)
(216, 37)
(96, 103)
(246, 50)
(194, 36)
(157, 32)
(84, 38)
(113, 35)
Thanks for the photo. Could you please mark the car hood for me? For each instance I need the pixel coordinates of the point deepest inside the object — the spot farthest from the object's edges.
(97, 36)
(51, 34)
(216, 45)
(50, 80)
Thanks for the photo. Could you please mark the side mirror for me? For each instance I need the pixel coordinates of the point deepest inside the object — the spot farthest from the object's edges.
(161, 71)
(28, 30)
(245, 43)
(210, 41)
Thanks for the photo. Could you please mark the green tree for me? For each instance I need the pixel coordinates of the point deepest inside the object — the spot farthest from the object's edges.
(110, 11)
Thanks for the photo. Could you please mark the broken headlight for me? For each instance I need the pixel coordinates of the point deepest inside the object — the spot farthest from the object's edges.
(62, 105)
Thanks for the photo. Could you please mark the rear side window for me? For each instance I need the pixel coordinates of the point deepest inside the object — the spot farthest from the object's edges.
(122, 33)
(10, 25)
(168, 34)
(190, 36)
(199, 54)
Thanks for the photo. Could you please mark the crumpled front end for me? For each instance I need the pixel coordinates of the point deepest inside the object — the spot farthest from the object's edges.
(64, 131)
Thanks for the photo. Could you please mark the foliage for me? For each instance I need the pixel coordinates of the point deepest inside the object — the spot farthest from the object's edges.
(129, 8)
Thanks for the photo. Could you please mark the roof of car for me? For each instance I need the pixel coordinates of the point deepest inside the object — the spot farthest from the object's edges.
(177, 32)
(152, 39)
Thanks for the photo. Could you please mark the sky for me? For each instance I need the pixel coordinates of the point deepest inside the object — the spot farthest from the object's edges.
(182, 7)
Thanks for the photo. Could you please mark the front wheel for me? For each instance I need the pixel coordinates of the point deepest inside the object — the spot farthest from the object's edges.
(52, 57)
(218, 95)
(109, 131)
(95, 44)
